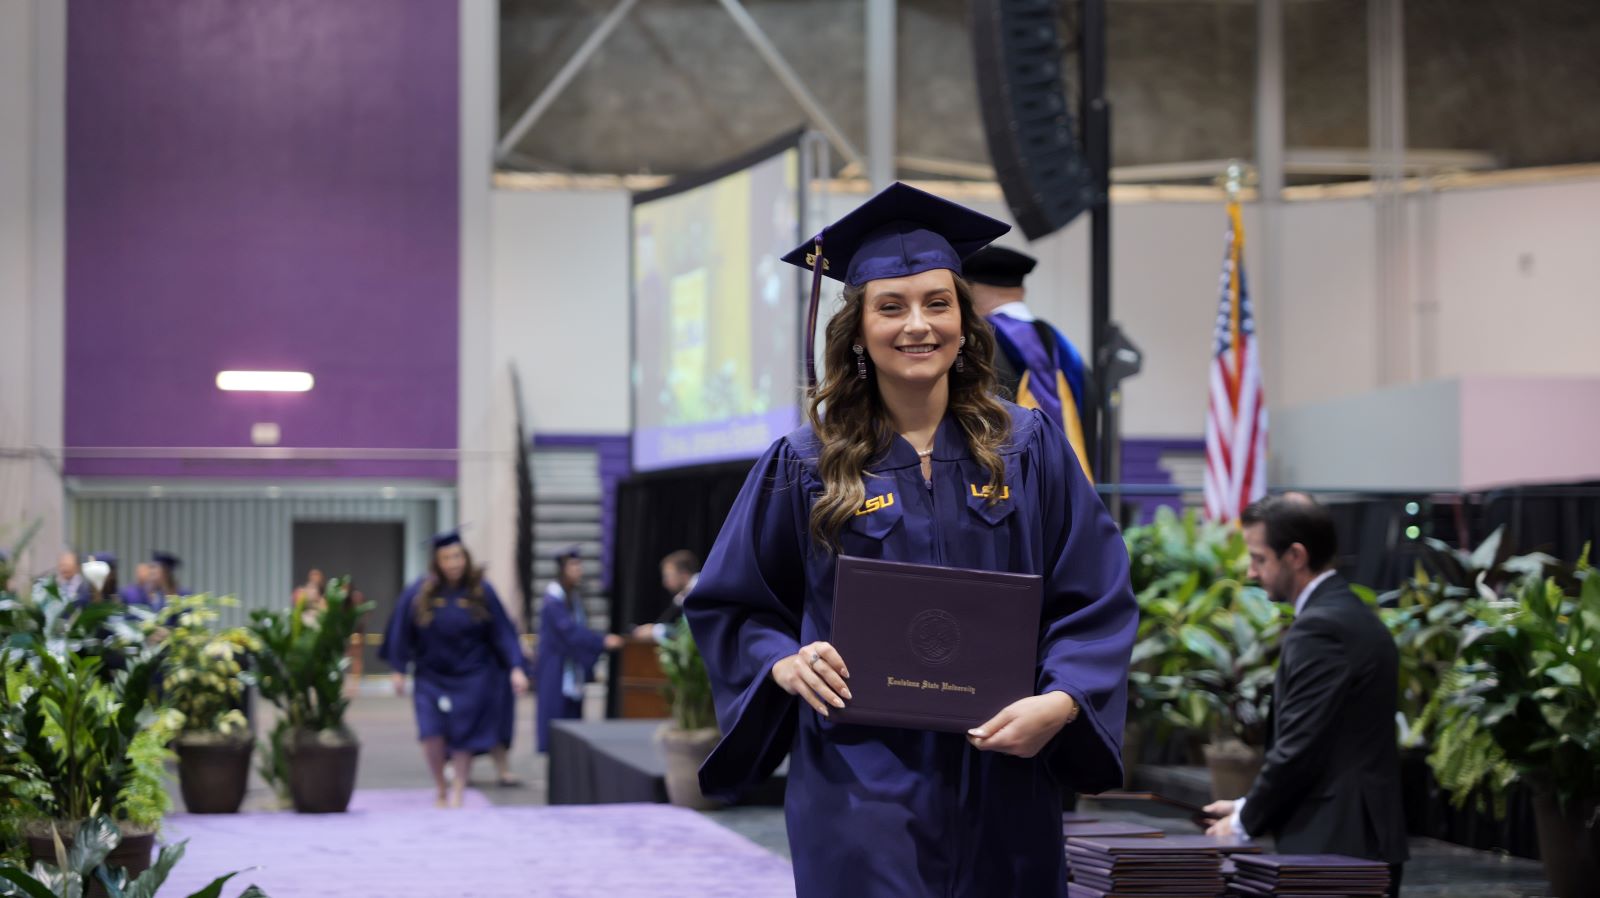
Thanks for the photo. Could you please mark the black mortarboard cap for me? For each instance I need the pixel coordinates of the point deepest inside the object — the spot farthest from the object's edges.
(446, 538)
(897, 233)
(998, 266)
(166, 560)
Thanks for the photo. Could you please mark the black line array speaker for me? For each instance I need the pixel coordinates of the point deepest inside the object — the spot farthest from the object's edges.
(1018, 55)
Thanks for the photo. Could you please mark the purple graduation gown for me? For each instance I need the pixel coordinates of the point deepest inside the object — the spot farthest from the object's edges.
(876, 811)
(563, 638)
(134, 594)
(462, 669)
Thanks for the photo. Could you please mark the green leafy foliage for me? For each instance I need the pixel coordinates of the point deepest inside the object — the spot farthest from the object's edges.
(303, 658)
(96, 838)
(22, 785)
(89, 742)
(1207, 643)
(1523, 697)
(205, 673)
(1429, 613)
(688, 684)
(46, 622)
(302, 662)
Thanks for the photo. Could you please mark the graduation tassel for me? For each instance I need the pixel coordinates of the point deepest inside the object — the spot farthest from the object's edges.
(817, 262)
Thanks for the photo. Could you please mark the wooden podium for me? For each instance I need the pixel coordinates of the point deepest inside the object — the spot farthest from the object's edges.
(640, 682)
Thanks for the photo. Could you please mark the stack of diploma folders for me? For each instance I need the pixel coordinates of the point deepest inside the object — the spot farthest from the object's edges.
(1311, 875)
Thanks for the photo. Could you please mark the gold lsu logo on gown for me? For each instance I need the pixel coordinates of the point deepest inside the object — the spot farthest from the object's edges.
(987, 490)
(876, 503)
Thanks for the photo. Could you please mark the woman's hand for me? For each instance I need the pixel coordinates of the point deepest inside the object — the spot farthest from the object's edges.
(613, 642)
(519, 681)
(816, 673)
(399, 681)
(1025, 726)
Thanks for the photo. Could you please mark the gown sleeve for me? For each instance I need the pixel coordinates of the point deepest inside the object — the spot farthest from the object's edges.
(503, 634)
(1090, 617)
(565, 636)
(745, 614)
(399, 638)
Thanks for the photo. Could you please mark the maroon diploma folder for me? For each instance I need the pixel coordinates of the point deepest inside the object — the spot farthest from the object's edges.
(933, 648)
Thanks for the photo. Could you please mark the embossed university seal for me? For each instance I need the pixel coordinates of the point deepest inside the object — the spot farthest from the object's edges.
(935, 636)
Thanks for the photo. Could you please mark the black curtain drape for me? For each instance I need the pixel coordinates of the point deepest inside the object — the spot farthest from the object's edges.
(1556, 520)
(662, 512)
(659, 513)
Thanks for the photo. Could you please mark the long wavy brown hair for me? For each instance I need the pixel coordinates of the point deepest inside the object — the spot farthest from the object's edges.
(857, 428)
(429, 599)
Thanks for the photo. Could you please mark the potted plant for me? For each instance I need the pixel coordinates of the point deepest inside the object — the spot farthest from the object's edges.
(1523, 702)
(90, 745)
(1205, 662)
(204, 679)
(1171, 555)
(1430, 611)
(311, 754)
(692, 732)
(89, 863)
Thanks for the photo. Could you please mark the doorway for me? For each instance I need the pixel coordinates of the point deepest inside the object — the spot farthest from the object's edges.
(372, 554)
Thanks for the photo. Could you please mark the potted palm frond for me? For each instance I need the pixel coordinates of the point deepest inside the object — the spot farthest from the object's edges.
(1522, 702)
(692, 732)
(204, 678)
(90, 863)
(311, 754)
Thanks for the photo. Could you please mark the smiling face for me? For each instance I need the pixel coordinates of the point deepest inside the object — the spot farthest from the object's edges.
(911, 326)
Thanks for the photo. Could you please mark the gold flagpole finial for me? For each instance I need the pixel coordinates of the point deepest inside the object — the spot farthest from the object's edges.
(1233, 179)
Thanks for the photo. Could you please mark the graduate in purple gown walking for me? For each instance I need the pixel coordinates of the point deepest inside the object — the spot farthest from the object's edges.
(908, 456)
(450, 628)
(568, 649)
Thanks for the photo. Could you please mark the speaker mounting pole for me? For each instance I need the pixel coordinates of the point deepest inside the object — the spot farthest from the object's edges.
(1096, 113)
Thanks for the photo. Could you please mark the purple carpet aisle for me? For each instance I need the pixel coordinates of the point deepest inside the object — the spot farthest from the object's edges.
(397, 845)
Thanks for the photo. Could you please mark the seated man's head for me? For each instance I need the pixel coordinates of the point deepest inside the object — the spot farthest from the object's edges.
(1291, 540)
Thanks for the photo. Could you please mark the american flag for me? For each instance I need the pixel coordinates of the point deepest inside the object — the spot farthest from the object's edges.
(1236, 418)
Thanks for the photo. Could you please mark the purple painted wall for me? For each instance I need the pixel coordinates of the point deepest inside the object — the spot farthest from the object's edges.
(262, 186)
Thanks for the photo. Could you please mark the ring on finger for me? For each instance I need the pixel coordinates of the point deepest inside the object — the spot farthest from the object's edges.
(815, 658)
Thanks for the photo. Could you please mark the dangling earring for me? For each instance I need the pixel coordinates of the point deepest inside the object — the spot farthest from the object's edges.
(861, 362)
(961, 364)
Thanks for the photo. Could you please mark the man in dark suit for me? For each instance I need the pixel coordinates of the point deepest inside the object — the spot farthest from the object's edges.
(679, 573)
(1331, 781)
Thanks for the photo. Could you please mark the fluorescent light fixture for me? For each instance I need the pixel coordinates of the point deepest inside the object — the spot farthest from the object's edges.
(264, 381)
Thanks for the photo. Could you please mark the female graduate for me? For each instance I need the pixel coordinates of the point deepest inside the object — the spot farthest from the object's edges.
(568, 649)
(451, 627)
(905, 409)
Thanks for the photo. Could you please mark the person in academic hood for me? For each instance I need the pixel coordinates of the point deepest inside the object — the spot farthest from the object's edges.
(451, 629)
(1035, 363)
(568, 649)
(908, 456)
